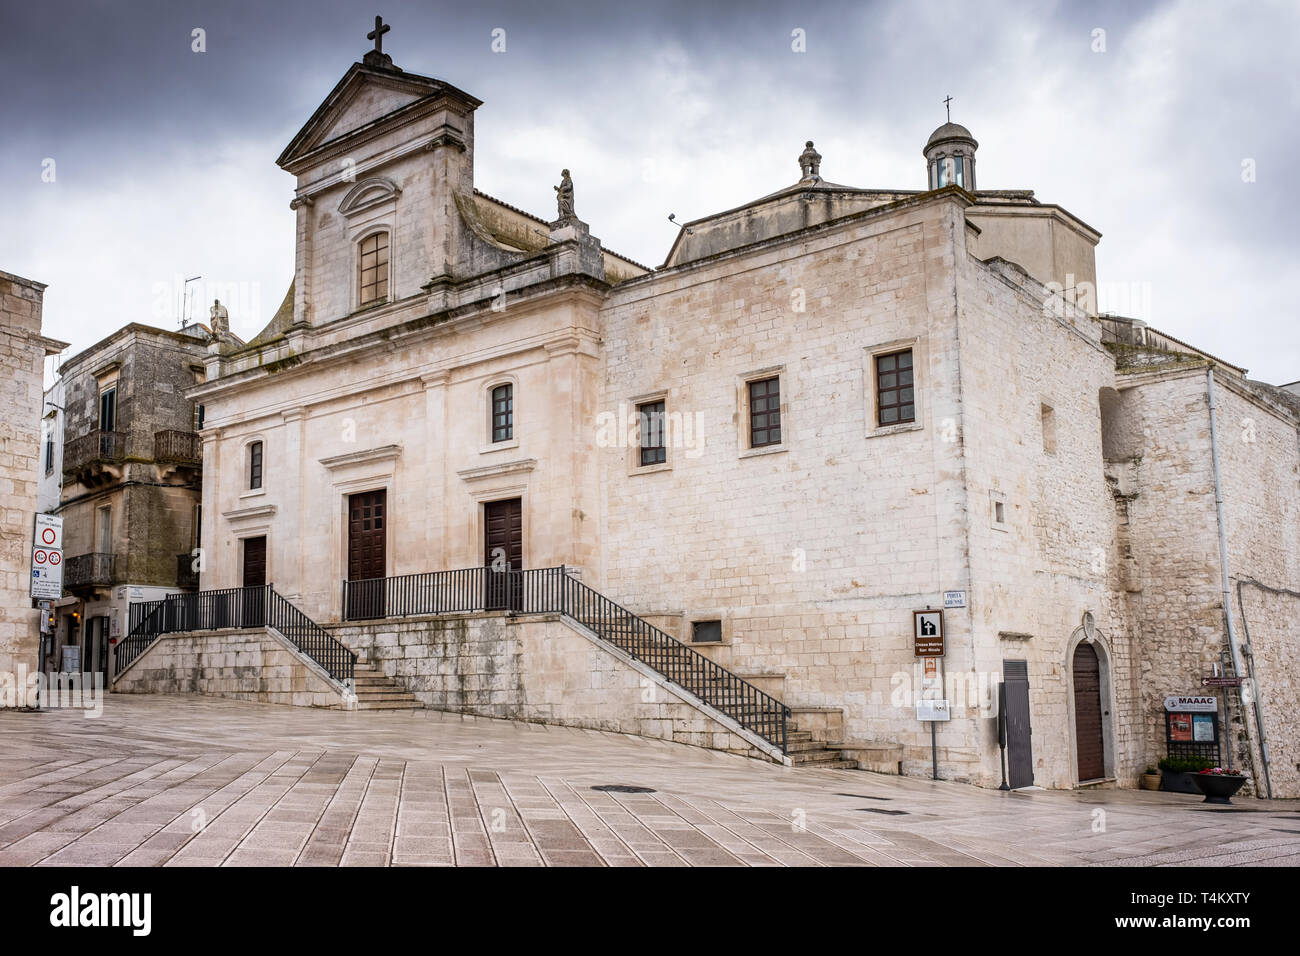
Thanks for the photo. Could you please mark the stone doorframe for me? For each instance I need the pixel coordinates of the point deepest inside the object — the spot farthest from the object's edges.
(1101, 646)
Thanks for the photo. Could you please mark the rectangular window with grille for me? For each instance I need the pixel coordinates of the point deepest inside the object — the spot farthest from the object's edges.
(255, 465)
(706, 632)
(373, 264)
(503, 413)
(654, 449)
(895, 395)
(765, 412)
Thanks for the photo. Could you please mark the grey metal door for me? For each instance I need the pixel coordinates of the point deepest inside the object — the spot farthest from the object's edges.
(1015, 700)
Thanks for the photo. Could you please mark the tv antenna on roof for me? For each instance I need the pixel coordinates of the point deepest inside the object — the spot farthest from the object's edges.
(185, 307)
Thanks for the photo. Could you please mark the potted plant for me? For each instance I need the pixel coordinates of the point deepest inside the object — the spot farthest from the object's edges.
(1176, 773)
(1151, 779)
(1219, 784)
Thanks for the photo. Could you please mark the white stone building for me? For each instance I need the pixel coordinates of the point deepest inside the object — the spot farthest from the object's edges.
(869, 398)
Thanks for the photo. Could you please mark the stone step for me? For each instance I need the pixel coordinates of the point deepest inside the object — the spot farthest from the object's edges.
(805, 746)
(819, 756)
(829, 765)
(389, 705)
(390, 694)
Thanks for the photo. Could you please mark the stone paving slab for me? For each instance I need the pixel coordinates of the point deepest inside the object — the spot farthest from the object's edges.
(195, 781)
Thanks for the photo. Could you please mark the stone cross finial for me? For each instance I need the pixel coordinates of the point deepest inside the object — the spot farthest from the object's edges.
(564, 196)
(810, 162)
(377, 34)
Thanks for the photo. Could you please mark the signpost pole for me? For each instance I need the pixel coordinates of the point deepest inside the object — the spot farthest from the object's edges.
(1226, 725)
(934, 750)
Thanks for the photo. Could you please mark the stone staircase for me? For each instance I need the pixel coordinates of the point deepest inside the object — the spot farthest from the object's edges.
(376, 691)
(814, 753)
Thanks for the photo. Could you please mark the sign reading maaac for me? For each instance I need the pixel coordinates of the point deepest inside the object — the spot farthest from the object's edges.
(1194, 705)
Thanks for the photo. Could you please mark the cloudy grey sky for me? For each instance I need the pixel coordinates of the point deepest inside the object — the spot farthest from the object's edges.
(163, 158)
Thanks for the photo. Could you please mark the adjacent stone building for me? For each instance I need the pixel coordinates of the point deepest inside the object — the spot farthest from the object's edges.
(829, 409)
(132, 472)
(23, 350)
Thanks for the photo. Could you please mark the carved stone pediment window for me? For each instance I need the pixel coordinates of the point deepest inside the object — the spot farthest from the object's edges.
(368, 194)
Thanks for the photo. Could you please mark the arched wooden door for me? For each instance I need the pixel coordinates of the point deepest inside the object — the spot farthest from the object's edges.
(1087, 713)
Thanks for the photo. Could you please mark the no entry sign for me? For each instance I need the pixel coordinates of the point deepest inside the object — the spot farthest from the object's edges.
(47, 557)
(49, 532)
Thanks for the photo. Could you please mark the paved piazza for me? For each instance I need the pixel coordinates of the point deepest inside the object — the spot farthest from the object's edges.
(206, 781)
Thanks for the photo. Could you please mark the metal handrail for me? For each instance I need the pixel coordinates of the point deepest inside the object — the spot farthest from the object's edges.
(233, 608)
(553, 590)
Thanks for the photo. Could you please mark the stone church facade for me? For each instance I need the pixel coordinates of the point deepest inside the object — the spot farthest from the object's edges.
(826, 409)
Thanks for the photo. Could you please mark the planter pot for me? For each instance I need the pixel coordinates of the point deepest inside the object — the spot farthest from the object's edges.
(1151, 781)
(1172, 782)
(1217, 787)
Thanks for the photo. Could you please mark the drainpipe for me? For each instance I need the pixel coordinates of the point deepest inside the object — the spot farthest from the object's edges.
(1223, 571)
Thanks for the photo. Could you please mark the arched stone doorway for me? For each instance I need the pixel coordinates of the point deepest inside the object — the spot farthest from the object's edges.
(1088, 664)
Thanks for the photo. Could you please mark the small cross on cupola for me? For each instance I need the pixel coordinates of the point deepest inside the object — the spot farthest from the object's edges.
(377, 56)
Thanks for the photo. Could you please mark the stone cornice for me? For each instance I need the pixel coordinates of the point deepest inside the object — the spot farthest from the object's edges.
(370, 455)
(243, 514)
(522, 466)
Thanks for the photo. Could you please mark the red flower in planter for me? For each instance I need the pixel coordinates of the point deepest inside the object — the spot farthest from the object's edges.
(1221, 772)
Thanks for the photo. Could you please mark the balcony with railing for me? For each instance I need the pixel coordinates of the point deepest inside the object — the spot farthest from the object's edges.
(95, 455)
(176, 450)
(89, 570)
(177, 447)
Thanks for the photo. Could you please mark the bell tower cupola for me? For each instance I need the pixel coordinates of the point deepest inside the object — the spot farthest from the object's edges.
(950, 157)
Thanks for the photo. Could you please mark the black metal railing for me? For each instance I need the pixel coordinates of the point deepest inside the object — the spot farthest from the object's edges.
(144, 625)
(233, 608)
(310, 638)
(554, 590)
(449, 592)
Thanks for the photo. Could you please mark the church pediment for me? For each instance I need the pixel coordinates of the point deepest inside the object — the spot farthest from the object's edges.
(365, 96)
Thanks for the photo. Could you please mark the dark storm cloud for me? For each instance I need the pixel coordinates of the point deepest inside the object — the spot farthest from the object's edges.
(165, 157)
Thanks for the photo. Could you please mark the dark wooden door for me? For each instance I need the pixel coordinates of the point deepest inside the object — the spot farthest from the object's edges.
(253, 599)
(1087, 713)
(367, 555)
(503, 553)
(1015, 703)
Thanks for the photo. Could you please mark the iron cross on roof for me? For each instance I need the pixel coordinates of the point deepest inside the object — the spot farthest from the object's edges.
(946, 99)
(377, 34)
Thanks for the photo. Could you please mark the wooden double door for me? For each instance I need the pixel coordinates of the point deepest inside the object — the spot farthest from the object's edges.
(367, 554)
(503, 553)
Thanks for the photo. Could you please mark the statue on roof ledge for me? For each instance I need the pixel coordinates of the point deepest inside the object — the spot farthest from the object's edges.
(564, 197)
(810, 162)
(219, 319)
